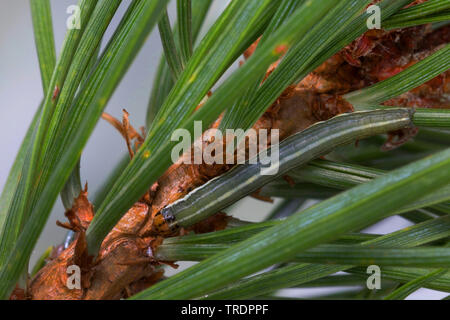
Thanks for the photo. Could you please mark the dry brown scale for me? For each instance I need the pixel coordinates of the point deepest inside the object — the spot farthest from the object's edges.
(125, 263)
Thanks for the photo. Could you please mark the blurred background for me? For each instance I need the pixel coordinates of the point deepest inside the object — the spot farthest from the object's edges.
(21, 92)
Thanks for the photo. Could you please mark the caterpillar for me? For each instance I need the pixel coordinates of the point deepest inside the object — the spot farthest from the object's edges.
(294, 151)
